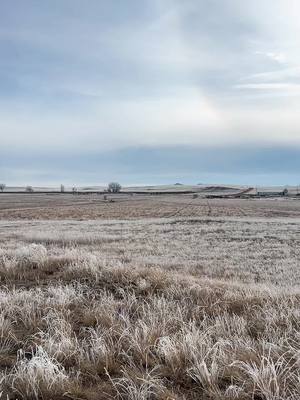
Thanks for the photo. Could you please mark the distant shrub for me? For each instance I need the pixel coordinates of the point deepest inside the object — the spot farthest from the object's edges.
(114, 187)
(2, 187)
(29, 189)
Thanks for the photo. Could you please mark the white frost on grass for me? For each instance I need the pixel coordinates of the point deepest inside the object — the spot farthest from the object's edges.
(39, 375)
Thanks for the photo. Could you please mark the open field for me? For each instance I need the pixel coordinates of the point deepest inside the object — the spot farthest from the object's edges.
(124, 206)
(173, 301)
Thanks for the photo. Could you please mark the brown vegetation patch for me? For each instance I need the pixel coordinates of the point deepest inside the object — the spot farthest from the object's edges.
(165, 309)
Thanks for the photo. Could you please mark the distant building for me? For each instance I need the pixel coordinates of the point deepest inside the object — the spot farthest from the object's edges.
(273, 193)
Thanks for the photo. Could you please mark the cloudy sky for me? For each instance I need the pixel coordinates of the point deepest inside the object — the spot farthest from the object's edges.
(149, 91)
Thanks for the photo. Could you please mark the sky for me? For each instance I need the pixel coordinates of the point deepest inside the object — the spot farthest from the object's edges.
(149, 91)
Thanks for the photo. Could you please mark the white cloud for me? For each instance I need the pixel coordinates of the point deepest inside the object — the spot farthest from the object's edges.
(279, 57)
(193, 61)
(282, 86)
(278, 41)
(184, 117)
(187, 118)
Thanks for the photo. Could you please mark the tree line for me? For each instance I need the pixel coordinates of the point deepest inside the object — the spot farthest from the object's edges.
(113, 187)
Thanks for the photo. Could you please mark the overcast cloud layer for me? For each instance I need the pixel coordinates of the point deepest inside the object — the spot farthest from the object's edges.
(96, 81)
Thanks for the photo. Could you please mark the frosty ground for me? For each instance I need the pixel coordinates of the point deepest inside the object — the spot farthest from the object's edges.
(179, 307)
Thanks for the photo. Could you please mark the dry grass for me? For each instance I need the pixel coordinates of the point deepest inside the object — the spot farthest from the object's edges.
(125, 206)
(151, 309)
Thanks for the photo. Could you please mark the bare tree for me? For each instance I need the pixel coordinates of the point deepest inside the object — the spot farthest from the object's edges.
(29, 189)
(114, 187)
(2, 187)
(74, 190)
(62, 188)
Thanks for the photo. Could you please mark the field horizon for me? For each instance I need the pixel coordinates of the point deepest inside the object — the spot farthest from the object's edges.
(176, 186)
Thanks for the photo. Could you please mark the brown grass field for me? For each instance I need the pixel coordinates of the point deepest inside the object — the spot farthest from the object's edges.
(149, 297)
(126, 206)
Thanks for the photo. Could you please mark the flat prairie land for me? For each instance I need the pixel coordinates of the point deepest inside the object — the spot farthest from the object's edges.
(127, 206)
(149, 297)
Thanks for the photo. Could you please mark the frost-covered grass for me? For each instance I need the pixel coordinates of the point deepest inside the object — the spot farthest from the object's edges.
(164, 309)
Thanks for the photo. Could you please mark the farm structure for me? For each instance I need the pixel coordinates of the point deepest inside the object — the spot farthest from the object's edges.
(251, 193)
(272, 193)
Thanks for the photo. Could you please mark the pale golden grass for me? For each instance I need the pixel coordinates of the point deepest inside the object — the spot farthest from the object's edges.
(170, 309)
